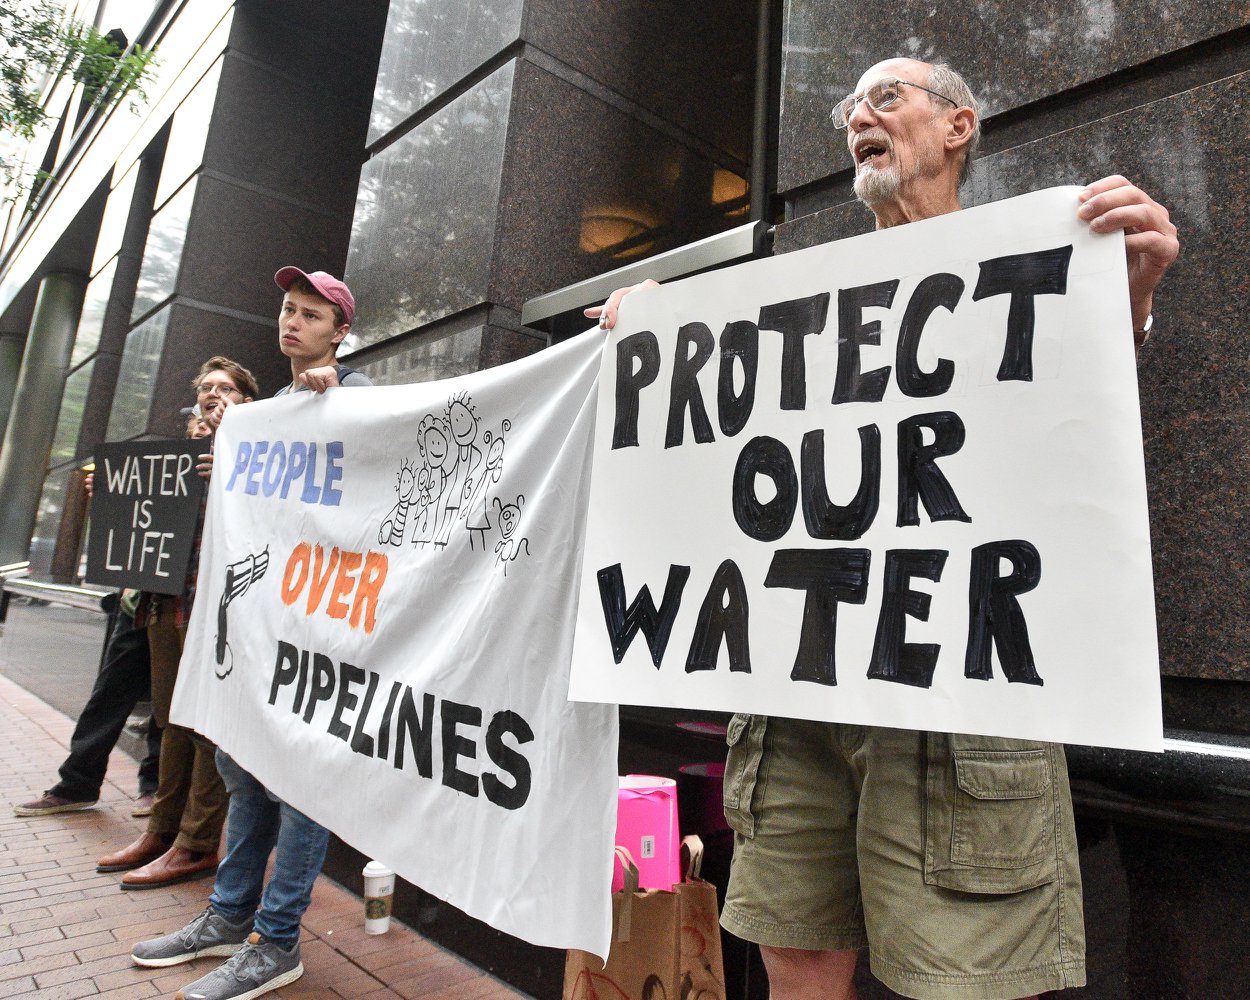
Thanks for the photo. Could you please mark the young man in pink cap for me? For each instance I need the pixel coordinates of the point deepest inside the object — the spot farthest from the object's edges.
(255, 923)
(317, 313)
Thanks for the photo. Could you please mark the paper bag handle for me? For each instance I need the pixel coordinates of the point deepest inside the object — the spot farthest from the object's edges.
(631, 886)
(692, 856)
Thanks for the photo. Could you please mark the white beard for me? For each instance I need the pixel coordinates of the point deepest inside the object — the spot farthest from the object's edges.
(874, 185)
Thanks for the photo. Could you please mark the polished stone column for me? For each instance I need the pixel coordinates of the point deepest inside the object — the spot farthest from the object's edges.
(36, 400)
(10, 365)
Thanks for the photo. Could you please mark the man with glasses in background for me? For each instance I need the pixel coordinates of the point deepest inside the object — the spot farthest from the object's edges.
(124, 680)
(844, 835)
(184, 829)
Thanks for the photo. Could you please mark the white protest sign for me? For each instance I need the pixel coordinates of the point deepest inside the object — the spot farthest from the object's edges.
(895, 480)
(383, 626)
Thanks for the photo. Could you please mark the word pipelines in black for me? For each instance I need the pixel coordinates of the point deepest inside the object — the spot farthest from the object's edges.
(407, 725)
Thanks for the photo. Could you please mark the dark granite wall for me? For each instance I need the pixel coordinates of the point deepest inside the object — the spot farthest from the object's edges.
(676, 61)
(1155, 91)
(1013, 55)
(277, 185)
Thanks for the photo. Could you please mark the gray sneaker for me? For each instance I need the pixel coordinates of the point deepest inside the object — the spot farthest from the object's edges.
(207, 934)
(256, 968)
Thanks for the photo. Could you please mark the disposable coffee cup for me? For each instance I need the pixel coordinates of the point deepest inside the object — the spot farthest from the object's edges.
(379, 891)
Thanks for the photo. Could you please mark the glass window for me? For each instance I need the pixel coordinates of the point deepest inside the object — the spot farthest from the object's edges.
(94, 303)
(69, 420)
(48, 521)
(113, 225)
(163, 253)
(129, 15)
(423, 231)
(430, 45)
(136, 378)
(456, 353)
(189, 133)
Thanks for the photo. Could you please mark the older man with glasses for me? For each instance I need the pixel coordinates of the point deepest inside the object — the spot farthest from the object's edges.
(853, 835)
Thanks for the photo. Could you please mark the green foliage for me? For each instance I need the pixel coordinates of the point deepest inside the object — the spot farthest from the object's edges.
(40, 42)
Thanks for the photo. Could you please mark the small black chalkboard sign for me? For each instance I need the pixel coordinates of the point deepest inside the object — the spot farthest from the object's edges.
(145, 501)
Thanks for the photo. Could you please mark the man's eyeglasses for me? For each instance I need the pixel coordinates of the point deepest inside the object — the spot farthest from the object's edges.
(209, 389)
(879, 96)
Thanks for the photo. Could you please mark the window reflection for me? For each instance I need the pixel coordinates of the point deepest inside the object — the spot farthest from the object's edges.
(429, 45)
(189, 133)
(113, 225)
(731, 193)
(617, 231)
(48, 521)
(453, 354)
(69, 421)
(136, 378)
(87, 339)
(423, 232)
(163, 253)
(129, 15)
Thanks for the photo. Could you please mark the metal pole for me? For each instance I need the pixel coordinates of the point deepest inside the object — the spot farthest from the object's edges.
(759, 125)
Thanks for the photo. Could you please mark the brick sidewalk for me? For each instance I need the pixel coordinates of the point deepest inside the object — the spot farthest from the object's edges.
(66, 931)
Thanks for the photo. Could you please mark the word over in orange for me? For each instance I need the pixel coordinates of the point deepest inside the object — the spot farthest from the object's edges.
(311, 568)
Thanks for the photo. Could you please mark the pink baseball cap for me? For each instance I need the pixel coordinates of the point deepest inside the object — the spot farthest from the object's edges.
(328, 287)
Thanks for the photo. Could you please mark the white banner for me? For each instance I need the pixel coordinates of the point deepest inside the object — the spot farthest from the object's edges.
(895, 480)
(383, 626)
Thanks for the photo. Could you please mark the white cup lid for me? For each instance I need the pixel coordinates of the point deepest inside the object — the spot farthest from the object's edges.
(375, 869)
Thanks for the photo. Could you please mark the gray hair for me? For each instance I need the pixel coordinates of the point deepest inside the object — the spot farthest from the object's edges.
(946, 81)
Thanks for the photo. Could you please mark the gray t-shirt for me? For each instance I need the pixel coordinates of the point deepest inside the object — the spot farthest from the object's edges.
(351, 378)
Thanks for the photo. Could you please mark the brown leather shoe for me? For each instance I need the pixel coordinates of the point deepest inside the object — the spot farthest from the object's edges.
(50, 804)
(143, 850)
(174, 866)
(143, 806)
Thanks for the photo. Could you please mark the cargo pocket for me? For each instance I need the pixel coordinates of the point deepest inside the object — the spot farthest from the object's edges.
(991, 815)
(745, 737)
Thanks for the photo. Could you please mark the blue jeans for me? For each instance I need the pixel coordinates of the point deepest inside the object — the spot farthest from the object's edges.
(258, 823)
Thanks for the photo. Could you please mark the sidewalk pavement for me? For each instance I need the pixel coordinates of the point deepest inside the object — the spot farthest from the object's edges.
(66, 931)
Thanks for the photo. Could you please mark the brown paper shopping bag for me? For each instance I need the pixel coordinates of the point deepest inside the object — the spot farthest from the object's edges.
(665, 945)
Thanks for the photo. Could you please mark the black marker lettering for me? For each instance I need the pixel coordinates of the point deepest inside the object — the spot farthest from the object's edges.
(893, 658)
(623, 623)
(830, 577)
(994, 613)
(794, 320)
(684, 392)
(723, 618)
(1024, 276)
(645, 350)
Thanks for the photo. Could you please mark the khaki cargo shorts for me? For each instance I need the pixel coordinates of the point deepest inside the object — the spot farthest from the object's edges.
(952, 857)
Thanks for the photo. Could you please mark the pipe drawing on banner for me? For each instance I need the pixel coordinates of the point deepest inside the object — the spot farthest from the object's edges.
(239, 577)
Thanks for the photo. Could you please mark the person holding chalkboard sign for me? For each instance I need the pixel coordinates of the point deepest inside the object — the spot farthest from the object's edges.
(124, 680)
(952, 858)
(189, 810)
(258, 924)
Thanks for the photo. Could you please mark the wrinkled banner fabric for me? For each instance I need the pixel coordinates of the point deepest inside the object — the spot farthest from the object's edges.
(383, 629)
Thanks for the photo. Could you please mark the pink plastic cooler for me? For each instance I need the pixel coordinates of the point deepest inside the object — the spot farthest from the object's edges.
(646, 826)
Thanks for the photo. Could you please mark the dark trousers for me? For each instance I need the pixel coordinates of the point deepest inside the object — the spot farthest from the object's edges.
(125, 678)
